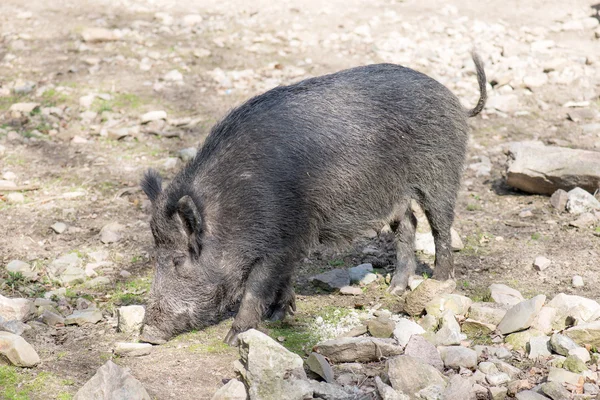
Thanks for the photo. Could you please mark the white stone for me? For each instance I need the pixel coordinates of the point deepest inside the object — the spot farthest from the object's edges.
(577, 281)
(541, 263)
(131, 318)
(24, 108)
(173, 76)
(132, 349)
(405, 328)
(521, 316)
(505, 295)
(191, 20)
(17, 350)
(153, 116)
(581, 201)
(15, 308)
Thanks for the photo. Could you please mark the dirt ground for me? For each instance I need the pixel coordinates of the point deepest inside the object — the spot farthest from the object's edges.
(240, 49)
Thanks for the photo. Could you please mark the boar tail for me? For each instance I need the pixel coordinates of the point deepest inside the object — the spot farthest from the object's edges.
(482, 82)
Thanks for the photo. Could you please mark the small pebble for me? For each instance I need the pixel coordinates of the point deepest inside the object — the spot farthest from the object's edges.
(577, 281)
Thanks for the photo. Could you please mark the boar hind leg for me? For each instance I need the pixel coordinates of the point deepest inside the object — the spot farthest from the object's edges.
(266, 286)
(406, 263)
(440, 214)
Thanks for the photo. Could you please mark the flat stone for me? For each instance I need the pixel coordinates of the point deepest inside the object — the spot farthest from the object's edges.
(59, 265)
(381, 327)
(331, 280)
(52, 319)
(23, 268)
(581, 201)
(505, 367)
(498, 393)
(562, 344)
(25, 108)
(359, 272)
(563, 376)
(541, 263)
(457, 357)
(503, 294)
(232, 390)
(111, 233)
(449, 333)
(363, 349)
(459, 388)
(521, 316)
(585, 334)
(458, 304)
(84, 317)
(319, 365)
(559, 200)
(410, 375)
(530, 395)
(539, 169)
(97, 35)
(351, 291)
(387, 392)
(112, 382)
(489, 313)
(555, 391)
(15, 308)
(17, 350)
(539, 346)
(72, 276)
(473, 328)
(581, 353)
(421, 348)
(173, 76)
(124, 349)
(519, 340)
(131, 318)
(153, 116)
(405, 329)
(498, 379)
(417, 300)
(544, 319)
(59, 227)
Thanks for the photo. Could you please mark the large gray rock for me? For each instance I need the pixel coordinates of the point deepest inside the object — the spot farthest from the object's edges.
(563, 376)
(417, 300)
(15, 326)
(405, 329)
(421, 348)
(521, 316)
(578, 308)
(15, 308)
(232, 390)
(506, 295)
(585, 334)
(555, 391)
(131, 318)
(581, 201)
(319, 365)
(457, 357)
(270, 370)
(112, 382)
(358, 273)
(535, 168)
(539, 346)
(410, 375)
(460, 388)
(362, 349)
(82, 317)
(457, 303)
(17, 350)
(488, 313)
(449, 333)
(331, 280)
(530, 395)
(562, 344)
(387, 392)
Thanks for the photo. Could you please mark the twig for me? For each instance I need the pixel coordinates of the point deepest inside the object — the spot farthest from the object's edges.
(19, 188)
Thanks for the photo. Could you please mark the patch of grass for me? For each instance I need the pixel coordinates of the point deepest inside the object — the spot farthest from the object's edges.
(482, 295)
(52, 97)
(465, 284)
(473, 207)
(64, 396)
(60, 355)
(336, 263)
(214, 346)
(118, 101)
(15, 279)
(597, 229)
(297, 336)
(536, 236)
(132, 292)
(6, 102)
(17, 384)
(475, 244)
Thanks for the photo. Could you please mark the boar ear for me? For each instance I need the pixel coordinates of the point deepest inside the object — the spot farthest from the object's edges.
(152, 184)
(190, 217)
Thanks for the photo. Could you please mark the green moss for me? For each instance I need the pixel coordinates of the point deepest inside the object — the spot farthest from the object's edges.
(536, 236)
(22, 384)
(336, 263)
(297, 336)
(120, 101)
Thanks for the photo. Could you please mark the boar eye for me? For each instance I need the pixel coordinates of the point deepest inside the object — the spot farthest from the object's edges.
(178, 261)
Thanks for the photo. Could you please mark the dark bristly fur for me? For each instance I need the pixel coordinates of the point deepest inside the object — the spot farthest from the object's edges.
(317, 161)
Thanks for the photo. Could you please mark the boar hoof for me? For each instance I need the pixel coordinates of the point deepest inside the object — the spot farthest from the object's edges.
(232, 338)
(398, 285)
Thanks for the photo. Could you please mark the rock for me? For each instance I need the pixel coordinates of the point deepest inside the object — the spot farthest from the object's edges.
(424, 242)
(543, 321)
(59, 227)
(505, 367)
(331, 280)
(429, 323)
(489, 313)
(458, 304)
(7, 184)
(585, 334)
(173, 76)
(555, 391)
(563, 376)
(97, 282)
(516, 386)
(171, 163)
(112, 382)
(84, 317)
(369, 278)
(581, 353)
(521, 316)
(17, 350)
(232, 390)
(24, 108)
(585, 221)
(540, 169)
(562, 344)
(449, 333)
(455, 241)
(387, 392)
(457, 357)
(23, 268)
(530, 395)
(319, 365)
(473, 328)
(541, 263)
(58, 266)
(498, 393)
(131, 318)
(421, 348)
(111, 233)
(191, 20)
(575, 307)
(503, 294)
(97, 35)
(187, 154)
(52, 319)
(382, 327)
(539, 346)
(459, 388)
(132, 349)
(15, 198)
(270, 369)
(535, 81)
(488, 368)
(351, 291)
(359, 272)
(409, 375)
(117, 133)
(424, 293)
(497, 379)
(323, 390)
(153, 116)
(559, 200)
(574, 364)
(581, 201)
(72, 275)
(590, 389)
(431, 392)
(506, 103)
(519, 340)
(405, 329)
(577, 281)
(363, 349)
(15, 308)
